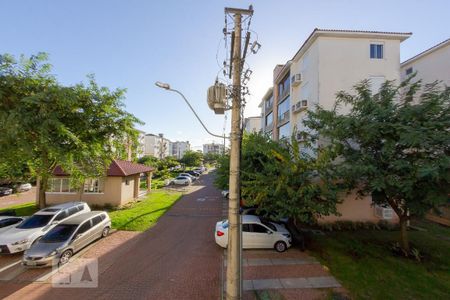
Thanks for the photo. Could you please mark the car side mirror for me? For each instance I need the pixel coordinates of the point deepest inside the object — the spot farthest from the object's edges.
(78, 236)
(269, 232)
(55, 222)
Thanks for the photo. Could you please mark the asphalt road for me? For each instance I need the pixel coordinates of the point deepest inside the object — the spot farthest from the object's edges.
(176, 259)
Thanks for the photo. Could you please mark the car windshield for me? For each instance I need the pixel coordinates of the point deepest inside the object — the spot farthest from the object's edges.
(225, 224)
(35, 221)
(270, 225)
(60, 233)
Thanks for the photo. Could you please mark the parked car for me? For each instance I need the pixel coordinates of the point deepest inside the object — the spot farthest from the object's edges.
(4, 191)
(21, 237)
(181, 180)
(67, 238)
(193, 178)
(7, 222)
(264, 215)
(199, 170)
(256, 233)
(22, 187)
(193, 173)
(225, 193)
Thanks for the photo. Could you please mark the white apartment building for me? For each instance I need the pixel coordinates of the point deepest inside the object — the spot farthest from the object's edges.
(430, 65)
(157, 145)
(179, 148)
(213, 148)
(252, 124)
(328, 61)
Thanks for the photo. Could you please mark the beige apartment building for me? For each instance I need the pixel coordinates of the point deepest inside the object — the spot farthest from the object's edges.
(330, 61)
(430, 65)
(252, 124)
(179, 148)
(157, 145)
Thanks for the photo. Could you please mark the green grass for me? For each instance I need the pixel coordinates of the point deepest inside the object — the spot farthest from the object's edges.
(26, 209)
(363, 262)
(142, 215)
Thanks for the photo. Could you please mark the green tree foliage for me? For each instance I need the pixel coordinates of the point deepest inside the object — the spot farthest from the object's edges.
(283, 178)
(392, 146)
(45, 124)
(211, 158)
(192, 158)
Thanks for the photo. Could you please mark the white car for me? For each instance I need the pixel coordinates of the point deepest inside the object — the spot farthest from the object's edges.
(23, 187)
(7, 222)
(193, 178)
(256, 234)
(21, 237)
(182, 180)
(225, 193)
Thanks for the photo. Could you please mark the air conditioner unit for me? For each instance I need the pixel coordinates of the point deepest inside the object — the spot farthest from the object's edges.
(296, 79)
(304, 103)
(385, 213)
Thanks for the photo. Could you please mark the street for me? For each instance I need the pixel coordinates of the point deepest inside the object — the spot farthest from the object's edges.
(176, 259)
(18, 198)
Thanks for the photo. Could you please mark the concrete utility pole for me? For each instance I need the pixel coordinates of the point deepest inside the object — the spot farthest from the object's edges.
(234, 280)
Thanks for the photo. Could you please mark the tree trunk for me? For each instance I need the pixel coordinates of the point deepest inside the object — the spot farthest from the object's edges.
(404, 241)
(43, 183)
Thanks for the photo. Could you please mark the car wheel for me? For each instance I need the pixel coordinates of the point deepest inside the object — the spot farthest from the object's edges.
(280, 246)
(65, 257)
(186, 183)
(105, 232)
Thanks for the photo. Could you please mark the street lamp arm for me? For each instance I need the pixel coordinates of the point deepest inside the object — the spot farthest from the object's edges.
(198, 118)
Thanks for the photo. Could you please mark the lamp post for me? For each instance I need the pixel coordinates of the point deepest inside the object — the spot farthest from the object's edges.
(167, 87)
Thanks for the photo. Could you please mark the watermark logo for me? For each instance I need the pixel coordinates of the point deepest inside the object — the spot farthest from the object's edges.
(79, 273)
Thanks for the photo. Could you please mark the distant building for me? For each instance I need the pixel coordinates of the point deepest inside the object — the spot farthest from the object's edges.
(179, 148)
(157, 146)
(266, 106)
(213, 148)
(252, 124)
(431, 65)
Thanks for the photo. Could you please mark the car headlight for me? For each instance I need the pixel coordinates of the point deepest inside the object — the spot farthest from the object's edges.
(20, 242)
(287, 235)
(53, 253)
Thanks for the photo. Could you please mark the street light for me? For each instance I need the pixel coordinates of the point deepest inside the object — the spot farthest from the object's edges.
(166, 86)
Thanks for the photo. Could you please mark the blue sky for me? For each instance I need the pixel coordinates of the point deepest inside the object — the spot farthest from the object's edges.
(131, 44)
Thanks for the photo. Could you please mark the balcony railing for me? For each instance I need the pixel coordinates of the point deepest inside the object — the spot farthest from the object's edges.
(283, 117)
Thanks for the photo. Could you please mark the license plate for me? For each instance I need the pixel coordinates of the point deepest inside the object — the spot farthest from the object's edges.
(30, 263)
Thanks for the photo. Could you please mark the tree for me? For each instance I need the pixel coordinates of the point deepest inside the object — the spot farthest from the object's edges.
(80, 128)
(281, 177)
(392, 147)
(211, 158)
(192, 158)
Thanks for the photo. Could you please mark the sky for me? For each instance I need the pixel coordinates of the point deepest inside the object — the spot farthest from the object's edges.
(131, 44)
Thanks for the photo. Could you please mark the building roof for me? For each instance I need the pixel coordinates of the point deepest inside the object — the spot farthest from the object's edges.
(117, 167)
(426, 52)
(354, 33)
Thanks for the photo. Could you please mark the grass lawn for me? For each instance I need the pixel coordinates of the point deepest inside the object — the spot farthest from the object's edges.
(142, 215)
(26, 209)
(363, 262)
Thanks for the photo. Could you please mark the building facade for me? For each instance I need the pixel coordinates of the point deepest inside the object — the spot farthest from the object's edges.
(179, 148)
(430, 65)
(213, 148)
(157, 146)
(252, 124)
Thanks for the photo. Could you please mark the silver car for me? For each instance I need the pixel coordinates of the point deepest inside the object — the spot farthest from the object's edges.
(7, 222)
(67, 238)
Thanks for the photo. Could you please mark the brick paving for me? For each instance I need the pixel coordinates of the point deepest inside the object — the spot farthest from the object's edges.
(175, 259)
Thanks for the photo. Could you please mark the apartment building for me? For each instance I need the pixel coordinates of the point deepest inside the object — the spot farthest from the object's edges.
(430, 65)
(252, 124)
(213, 148)
(157, 145)
(179, 148)
(330, 61)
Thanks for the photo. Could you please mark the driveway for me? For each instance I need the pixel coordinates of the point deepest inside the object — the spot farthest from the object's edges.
(19, 198)
(176, 259)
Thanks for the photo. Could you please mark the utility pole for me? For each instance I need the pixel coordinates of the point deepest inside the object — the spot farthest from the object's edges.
(234, 279)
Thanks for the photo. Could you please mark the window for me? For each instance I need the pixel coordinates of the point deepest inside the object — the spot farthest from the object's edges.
(85, 227)
(61, 216)
(245, 227)
(409, 71)
(269, 119)
(10, 221)
(96, 220)
(127, 182)
(73, 210)
(60, 185)
(284, 87)
(259, 228)
(284, 131)
(376, 51)
(93, 185)
(269, 103)
(283, 110)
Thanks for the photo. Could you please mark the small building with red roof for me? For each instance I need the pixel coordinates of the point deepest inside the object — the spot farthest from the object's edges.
(120, 185)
